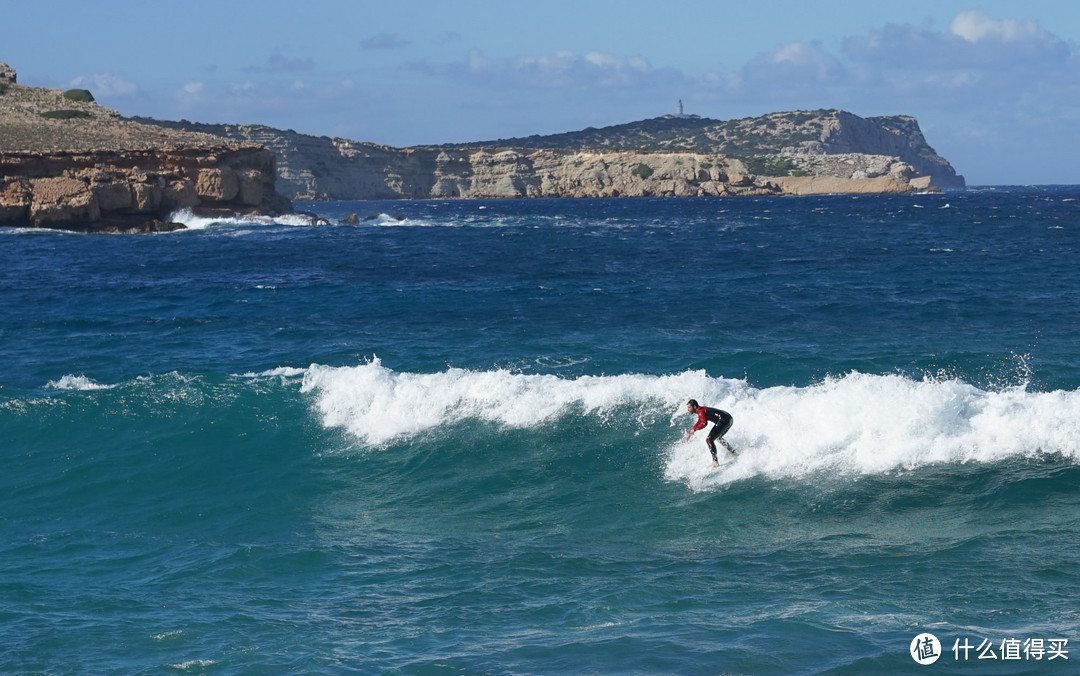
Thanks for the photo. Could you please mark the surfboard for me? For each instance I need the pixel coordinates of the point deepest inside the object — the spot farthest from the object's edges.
(726, 460)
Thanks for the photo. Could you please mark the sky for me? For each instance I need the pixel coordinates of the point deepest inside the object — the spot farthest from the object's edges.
(995, 85)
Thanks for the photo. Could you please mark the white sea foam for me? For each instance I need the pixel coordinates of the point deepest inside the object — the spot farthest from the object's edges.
(378, 405)
(281, 371)
(870, 424)
(193, 222)
(855, 424)
(388, 220)
(193, 664)
(73, 382)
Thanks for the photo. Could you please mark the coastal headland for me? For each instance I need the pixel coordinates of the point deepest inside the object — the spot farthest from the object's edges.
(797, 153)
(68, 163)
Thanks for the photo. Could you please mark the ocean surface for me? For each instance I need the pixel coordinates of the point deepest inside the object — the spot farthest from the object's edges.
(450, 440)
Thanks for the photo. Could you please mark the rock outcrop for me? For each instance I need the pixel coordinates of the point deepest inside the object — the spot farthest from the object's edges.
(783, 153)
(134, 191)
(68, 163)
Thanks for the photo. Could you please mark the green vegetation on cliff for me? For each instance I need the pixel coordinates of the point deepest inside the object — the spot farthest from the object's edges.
(66, 114)
(772, 166)
(79, 95)
(765, 135)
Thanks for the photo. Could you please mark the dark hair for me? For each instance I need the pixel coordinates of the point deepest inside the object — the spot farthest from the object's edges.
(693, 402)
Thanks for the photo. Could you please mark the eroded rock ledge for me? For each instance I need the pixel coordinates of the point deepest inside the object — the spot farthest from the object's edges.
(87, 169)
(133, 191)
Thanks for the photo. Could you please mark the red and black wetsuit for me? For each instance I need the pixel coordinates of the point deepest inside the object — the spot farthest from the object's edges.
(721, 424)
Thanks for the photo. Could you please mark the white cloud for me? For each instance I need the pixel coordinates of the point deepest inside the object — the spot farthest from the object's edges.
(973, 40)
(106, 85)
(191, 92)
(807, 59)
(794, 52)
(795, 70)
(975, 26)
(602, 60)
(553, 71)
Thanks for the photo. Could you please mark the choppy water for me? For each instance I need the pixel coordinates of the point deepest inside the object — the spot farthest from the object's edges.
(454, 443)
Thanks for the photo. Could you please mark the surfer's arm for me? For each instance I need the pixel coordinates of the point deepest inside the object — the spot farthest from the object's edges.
(698, 425)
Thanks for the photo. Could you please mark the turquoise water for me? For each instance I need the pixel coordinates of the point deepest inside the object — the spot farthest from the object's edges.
(453, 443)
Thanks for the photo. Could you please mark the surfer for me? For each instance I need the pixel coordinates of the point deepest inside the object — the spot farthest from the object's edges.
(721, 424)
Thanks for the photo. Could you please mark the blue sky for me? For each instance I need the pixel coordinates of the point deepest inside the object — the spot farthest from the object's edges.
(994, 85)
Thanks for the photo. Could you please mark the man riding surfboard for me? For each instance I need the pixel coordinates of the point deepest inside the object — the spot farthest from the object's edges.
(721, 424)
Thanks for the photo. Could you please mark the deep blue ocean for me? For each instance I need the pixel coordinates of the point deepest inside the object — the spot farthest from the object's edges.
(450, 440)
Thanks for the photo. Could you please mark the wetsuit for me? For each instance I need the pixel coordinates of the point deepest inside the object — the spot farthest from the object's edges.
(721, 424)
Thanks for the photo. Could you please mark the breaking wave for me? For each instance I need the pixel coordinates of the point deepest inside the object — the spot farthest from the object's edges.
(76, 382)
(854, 424)
(194, 222)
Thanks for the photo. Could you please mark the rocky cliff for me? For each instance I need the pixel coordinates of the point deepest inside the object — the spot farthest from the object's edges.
(782, 153)
(66, 162)
(766, 139)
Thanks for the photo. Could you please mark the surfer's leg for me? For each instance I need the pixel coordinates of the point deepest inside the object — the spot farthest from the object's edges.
(719, 430)
(713, 435)
(726, 445)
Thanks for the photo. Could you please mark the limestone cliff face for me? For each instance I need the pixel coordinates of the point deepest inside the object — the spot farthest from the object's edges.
(897, 136)
(550, 173)
(66, 162)
(133, 191)
(831, 152)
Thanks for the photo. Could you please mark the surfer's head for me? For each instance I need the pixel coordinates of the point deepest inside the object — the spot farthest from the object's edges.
(692, 406)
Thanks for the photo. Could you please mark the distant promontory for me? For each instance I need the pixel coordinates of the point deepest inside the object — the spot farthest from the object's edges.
(804, 152)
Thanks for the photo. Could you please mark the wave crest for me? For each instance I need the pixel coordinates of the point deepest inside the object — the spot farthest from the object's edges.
(872, 424)
(378, 405)
(194, 222)
(857, 423)
(76, 382)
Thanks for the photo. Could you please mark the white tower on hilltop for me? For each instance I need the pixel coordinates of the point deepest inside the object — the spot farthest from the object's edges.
(680, 114)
